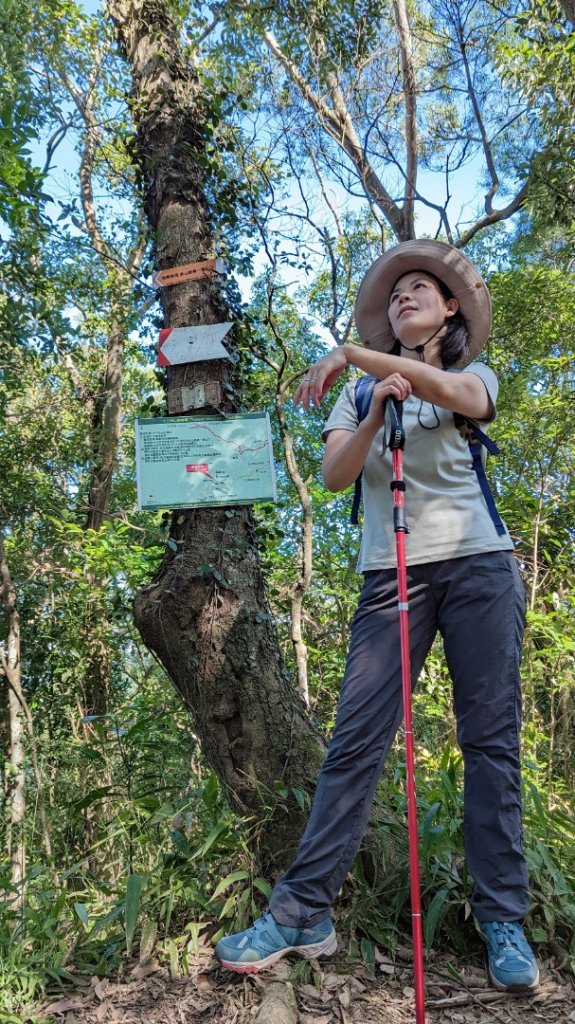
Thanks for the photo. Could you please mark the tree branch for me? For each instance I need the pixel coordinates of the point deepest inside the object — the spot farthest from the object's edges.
(494, 217)
(81, 390)
(339, 125)
(85, 104)
(195, 44)
(54, 141)
(480, 123)
(136, 253)
(409, 92)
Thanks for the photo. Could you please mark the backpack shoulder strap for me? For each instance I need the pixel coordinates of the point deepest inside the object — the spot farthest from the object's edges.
(476, 439)
(471, 432)
(362, 394)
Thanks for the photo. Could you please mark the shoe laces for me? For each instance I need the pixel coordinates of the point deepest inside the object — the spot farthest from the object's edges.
(506, 936)
(260, 924)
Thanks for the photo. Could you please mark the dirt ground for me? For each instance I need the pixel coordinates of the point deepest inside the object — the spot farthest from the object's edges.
(330, 993)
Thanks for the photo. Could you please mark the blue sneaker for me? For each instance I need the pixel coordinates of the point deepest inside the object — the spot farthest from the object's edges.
(266, 942)
(510, 959)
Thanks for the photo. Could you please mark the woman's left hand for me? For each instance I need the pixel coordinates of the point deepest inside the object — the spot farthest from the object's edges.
(320, 377)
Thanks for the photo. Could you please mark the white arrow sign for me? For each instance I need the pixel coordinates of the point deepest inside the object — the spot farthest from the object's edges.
(192, 344)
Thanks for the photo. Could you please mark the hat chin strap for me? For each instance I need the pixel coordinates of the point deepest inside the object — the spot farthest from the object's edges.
(420, 349)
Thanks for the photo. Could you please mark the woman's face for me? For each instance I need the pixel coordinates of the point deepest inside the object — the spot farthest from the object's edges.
(417, 308)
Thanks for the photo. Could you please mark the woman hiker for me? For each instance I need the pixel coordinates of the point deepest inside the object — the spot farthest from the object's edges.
(422, 309)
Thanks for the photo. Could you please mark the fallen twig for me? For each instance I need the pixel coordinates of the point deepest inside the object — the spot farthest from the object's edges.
(470, 997)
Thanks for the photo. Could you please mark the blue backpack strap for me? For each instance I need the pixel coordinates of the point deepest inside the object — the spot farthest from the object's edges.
(362, 395)
(471, 432)
(476, 438)
(363, 392)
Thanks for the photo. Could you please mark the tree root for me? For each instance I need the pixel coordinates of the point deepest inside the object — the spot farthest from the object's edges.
(278, 1005)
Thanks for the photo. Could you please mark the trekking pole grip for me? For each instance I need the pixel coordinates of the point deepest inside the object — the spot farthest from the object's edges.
(397, 433)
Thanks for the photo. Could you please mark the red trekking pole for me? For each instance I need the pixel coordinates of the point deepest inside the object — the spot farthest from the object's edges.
(396, 445)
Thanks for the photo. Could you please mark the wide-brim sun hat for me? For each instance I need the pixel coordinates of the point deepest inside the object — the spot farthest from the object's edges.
(443, 261)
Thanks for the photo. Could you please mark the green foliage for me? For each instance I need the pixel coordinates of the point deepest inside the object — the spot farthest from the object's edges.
(342, 32)
(20, 114)
(146, 854)
(159, 863)
(540, 60)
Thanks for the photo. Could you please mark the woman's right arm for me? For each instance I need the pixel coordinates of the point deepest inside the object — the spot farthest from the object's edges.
(346, 450)
(344, 456)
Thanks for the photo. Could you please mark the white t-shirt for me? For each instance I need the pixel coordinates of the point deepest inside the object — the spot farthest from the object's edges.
(446, 512)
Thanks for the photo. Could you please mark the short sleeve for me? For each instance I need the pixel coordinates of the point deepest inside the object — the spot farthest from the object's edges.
(344, 413)
(489, 379)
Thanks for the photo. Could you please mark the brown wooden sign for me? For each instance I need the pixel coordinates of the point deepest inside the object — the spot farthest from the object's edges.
(188, 272)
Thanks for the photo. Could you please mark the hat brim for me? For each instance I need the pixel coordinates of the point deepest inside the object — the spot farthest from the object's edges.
(445, 262)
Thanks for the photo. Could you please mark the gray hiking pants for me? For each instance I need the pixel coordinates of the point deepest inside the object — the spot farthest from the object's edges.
(478, 605)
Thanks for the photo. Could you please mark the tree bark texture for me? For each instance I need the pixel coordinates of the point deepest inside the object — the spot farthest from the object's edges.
(205, 612)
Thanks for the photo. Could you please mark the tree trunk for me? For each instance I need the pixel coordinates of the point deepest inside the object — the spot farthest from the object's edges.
(301, 584)
(205, 613)
(106, 426)
(104, 403)
(16, 784)
(537, 522)
(16, 798)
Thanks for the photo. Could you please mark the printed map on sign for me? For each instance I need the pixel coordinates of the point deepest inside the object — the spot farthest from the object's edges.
(187, 461)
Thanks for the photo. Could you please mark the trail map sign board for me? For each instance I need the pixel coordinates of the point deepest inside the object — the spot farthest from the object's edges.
(189, 461)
